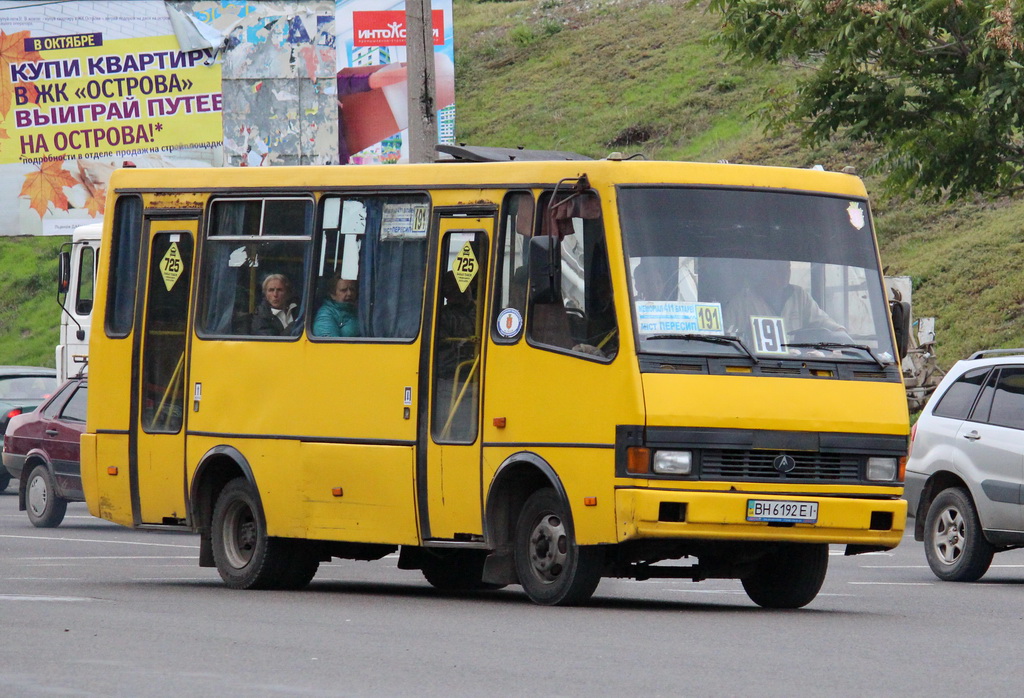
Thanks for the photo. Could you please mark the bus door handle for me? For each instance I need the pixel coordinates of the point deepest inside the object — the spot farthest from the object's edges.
(972, 435)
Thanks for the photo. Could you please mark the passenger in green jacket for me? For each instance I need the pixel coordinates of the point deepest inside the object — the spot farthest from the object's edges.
(337, 316)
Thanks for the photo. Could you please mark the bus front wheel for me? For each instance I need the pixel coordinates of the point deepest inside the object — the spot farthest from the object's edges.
(552, 568)
(788, 577)
(246, 557)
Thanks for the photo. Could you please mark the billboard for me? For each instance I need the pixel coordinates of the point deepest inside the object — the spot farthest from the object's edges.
(86, 87)
(90, 86)
(372, 80)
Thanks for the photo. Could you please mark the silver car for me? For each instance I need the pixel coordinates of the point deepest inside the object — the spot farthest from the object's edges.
(965, 474)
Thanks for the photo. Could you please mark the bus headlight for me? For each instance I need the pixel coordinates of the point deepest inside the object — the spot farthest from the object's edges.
(673, 462)
(881, 469)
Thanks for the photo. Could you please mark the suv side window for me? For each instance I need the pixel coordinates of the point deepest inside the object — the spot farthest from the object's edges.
(1008, 399)
(958, 400)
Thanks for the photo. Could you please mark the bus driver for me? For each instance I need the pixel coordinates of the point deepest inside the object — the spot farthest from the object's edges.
(768, 293)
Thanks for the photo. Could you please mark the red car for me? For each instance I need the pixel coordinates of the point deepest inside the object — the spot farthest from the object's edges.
(41, 449)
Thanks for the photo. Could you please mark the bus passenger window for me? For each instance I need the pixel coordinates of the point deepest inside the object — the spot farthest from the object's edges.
(516, 230)
(371, 258)
(255, 267)
(124, 254)
(582, 319)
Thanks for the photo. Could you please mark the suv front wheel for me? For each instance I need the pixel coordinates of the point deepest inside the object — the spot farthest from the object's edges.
(953, 541)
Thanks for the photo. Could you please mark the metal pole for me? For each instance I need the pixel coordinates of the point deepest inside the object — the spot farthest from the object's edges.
(419, 42)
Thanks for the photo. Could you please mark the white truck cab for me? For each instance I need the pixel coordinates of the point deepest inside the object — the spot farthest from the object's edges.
(76, 282)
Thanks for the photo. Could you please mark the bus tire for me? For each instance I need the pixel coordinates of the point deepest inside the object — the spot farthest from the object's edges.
(245, 556)
(456, 570)
(44, 508)
(788, 577)
(552, 568)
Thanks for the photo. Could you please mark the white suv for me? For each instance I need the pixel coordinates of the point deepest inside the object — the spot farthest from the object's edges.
(965, 474)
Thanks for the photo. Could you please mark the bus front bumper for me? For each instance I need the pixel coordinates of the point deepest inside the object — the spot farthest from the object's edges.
(852, 520)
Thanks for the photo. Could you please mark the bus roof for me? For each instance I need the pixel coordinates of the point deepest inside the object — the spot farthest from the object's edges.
(485, 175)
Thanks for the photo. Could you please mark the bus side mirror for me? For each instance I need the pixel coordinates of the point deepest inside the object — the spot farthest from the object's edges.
(63, 272)
(900, 312)
(545, 270)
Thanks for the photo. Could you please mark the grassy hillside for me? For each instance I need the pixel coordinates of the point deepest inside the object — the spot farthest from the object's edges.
(28, 307)
(638, 76)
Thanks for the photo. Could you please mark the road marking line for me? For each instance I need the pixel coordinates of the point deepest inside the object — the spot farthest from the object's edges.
(25, 597)
(708, 591)
(112, 557)
(90, 540)
(896, 584)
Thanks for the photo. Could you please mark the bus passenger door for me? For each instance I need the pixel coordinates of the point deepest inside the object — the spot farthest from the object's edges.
(159, 380)
(453, 469)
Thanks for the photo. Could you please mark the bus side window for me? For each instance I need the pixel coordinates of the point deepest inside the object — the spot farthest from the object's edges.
(256, 244)
(582, 320)
(380, 243)
(516, 229)
(123, 272)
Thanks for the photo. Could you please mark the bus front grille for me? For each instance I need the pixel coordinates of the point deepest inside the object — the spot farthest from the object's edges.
(761, 465)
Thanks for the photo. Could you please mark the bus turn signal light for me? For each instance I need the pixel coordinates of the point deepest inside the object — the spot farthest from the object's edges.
(111, 470)
(638, 460)
(337, 491)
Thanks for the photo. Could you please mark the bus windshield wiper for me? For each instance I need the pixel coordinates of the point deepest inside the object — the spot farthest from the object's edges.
(841, 345)
(710, 338)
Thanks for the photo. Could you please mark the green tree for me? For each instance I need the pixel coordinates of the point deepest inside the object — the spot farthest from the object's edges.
(938, 84)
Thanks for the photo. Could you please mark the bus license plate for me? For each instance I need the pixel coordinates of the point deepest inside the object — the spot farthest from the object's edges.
(781, 510)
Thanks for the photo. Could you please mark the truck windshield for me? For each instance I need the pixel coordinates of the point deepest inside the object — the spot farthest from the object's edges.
(789, 275)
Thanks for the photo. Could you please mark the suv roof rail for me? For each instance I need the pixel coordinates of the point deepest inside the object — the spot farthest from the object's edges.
(985, 353)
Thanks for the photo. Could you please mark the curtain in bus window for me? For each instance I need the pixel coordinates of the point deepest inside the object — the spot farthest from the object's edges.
(391, 292)
(220, 292)
(223, 278)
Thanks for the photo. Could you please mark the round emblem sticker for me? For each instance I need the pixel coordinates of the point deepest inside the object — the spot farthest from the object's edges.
(510, 322)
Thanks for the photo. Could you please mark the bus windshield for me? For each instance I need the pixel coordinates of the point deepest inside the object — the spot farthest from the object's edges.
(759, 273)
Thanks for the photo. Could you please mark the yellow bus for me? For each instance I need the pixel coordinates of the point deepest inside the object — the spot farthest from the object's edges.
(510, 371)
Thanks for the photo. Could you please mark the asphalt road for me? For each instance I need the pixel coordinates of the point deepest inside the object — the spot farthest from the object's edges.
(93, 609)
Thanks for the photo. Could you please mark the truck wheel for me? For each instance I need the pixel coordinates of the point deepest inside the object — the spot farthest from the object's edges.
(788, 577)
(953, 540)
(44, 508)
(246, 557)
(552, 568)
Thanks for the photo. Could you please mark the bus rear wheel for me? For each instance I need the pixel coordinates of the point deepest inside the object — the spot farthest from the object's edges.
(552, 568)
(788, 577)
(246, 557)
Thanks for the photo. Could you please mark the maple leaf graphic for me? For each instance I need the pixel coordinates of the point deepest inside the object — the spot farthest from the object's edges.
(46, 186)
(12, 50)
(95, 202)
(96, 193)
